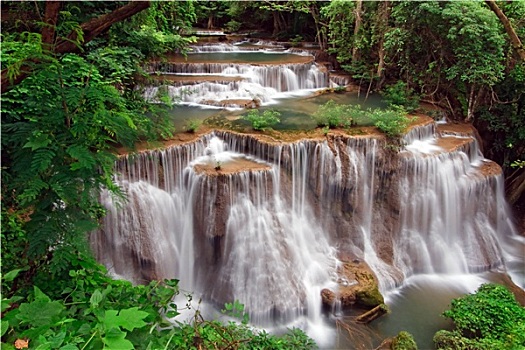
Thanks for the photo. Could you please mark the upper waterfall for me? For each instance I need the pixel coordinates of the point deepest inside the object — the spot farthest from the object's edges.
(225, 75)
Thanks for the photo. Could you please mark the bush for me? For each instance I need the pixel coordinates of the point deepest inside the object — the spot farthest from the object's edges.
(264, 120)
(400, 94)
(491, 318)
(89, 310)
(334, 115)
(392, 122)
(192, 125)
(233, 26)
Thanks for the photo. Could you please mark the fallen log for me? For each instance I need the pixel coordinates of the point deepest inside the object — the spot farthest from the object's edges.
(372, 314)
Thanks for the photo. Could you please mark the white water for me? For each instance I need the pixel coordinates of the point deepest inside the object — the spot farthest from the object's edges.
(263, 82)
(269, 238)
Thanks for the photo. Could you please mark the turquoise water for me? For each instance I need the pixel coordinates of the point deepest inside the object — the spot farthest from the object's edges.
(248, 57)
(295, 112)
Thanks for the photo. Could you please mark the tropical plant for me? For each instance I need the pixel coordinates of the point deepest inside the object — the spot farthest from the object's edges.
(399, 94)
(334, 115)
(264, 120)
(490, 318)
(192, 125)
(393, 121)
(91, 311)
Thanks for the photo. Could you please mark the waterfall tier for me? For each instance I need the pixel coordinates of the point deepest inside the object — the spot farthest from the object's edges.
(269, 230)
(225, 75)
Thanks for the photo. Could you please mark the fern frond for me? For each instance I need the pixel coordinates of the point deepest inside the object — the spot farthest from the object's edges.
(42, 159)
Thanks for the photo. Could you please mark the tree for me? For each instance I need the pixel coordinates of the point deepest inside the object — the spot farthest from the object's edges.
(82, 34)
(514, 39)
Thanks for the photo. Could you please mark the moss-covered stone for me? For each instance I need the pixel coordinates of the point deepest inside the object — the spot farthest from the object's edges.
(357, 286)
(404, 341)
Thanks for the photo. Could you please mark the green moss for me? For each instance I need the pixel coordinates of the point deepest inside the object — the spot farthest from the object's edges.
(404, 341)
(370, 297)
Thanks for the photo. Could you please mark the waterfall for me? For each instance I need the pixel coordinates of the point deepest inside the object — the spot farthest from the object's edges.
(262, 82)
(268, 226)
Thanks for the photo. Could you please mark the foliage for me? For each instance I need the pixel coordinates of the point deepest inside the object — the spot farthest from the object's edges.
(404, 341)
(56, 142)
(264, 120)
(393, 122)
(157, 30)
(192, 125)
(233, 26)
(92, 311)
(399, 94)
(491, 318)
(334, 115)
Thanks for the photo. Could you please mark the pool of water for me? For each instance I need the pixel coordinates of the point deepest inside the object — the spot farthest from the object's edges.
(295, 112)
(247, 57)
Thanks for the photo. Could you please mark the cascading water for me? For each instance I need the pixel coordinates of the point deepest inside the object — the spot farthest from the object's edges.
(268, 231)
(214, 83)
(266, 223)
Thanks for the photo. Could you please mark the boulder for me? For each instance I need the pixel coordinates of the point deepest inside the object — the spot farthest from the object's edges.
(358, 286)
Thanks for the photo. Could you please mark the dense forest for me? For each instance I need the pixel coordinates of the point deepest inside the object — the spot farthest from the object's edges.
(72, 74)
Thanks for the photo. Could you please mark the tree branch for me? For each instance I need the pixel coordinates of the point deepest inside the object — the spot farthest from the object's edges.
(50, 20)
(91, 29)
(514, 39)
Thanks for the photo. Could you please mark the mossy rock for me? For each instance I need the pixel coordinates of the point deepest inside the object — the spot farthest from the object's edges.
(369, 297)
(404, 341)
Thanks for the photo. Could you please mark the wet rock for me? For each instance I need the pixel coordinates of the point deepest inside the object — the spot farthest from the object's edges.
(328, 296)
(358, 286)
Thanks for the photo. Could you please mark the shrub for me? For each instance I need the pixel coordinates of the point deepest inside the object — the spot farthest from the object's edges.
(233, 26)
(334, 115)
(264, 120)
(392, 122)
(400, 94)
(89, 310)
(491, 318)
(192, 125)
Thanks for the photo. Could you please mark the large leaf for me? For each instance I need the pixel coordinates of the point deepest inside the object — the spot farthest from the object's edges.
(128, 318)
(116, 339)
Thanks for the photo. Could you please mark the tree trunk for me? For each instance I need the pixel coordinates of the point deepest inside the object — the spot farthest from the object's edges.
(320, 31)
(384, 15)
(50, 20)
(210, 21)
(358, 12)
(514, 39)
(90, 29)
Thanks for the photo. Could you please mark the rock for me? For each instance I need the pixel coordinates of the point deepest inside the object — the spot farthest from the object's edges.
(358, 286)
(328, 297)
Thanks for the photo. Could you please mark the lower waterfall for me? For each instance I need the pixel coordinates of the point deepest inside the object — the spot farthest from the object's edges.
(267, 223)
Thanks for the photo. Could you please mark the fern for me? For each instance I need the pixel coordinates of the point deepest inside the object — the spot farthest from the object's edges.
(83, 156)
(42, 159)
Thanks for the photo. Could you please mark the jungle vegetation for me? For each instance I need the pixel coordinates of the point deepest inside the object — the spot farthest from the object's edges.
(71, 73)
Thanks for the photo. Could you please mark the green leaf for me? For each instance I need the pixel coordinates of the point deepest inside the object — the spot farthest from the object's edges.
(132, 318)
(6, 303)
(39, 142)
(40, 296)
(41, 312)
(115, 339)
(11, 275)
(129, 318)
(95, 299)
(3, 328)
